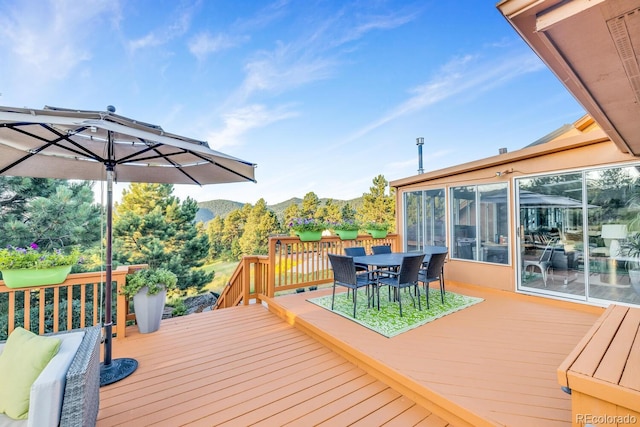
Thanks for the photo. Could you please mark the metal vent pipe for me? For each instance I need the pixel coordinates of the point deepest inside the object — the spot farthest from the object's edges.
(420, 143)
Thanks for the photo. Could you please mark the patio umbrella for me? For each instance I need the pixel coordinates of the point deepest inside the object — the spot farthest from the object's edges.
(530, 199)
(101, 145)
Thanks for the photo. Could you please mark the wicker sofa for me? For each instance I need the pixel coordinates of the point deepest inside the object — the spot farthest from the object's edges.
(78, 405)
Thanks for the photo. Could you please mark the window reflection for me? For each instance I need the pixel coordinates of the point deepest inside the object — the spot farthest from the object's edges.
(563, 253)
(424, 219)
(480, 223)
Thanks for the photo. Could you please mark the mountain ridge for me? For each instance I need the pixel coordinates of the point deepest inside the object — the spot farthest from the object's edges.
(221, 207)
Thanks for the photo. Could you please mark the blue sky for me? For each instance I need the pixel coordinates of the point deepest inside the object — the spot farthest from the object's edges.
(322, 95)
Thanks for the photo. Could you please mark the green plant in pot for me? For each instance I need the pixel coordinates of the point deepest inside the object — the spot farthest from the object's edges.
(308, 229)
(378, 230)
(347, 229)
(632, 249)
(30, 266)
(148, 287)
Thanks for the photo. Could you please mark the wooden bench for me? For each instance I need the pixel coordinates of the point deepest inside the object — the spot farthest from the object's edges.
(603, 372)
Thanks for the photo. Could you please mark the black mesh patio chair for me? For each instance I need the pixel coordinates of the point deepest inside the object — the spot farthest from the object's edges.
(405, 277)
(357, 251)
(344, 274)
(381, 249)
(433, 271)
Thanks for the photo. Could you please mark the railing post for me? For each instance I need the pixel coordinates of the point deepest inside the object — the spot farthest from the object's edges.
(246, 280)
(120, 276)
(271, 278)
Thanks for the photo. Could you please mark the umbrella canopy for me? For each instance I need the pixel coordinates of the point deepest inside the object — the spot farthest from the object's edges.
(70, 144)
(529, 199)
(101, 145)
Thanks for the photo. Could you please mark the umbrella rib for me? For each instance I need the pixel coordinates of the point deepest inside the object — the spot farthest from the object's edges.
(224, 167)
(61, 137)
(179, 167)
(159, 156)
(33, 152)
(82, 150)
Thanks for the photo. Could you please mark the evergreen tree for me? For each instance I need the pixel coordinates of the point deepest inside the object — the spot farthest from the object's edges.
(152, 226)
(215, 229)
(347, 213)
(56, 215)
(310, 204)
(16, 192)
(233, 228)
(290, 212)
(329, 212)
(378, 206)
(261, 223)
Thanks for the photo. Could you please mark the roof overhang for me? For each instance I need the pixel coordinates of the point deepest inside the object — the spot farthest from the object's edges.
(593, 47)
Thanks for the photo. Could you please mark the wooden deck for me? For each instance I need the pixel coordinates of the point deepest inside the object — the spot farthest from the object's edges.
(297, 364)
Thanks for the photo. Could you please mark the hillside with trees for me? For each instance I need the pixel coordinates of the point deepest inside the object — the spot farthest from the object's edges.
(152, 226)
(245, 230)
(220, 207)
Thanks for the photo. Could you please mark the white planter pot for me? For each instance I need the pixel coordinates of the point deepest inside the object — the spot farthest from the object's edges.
(634, 278)
(148, 309)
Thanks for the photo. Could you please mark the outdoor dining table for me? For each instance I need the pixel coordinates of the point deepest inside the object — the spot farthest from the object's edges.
(379, 262)
(392, 260)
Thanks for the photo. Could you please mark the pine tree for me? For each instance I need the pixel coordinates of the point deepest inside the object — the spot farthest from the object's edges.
(152, 226)
(261, 223)
(310, 205)
(215, 229)
(377, 205)
(51, 213)
(232, 231)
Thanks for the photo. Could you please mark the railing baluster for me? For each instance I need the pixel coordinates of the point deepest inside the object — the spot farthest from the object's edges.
(86, 287)
(41, 306)
(83, 306)
(26, 304)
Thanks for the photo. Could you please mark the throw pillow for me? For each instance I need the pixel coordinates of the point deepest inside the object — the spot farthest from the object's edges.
(25, 355)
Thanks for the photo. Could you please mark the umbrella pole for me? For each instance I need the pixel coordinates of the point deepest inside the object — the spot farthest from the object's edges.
(111, 371)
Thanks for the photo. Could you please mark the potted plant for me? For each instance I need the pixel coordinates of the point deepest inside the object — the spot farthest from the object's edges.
(378, 230)
(25, 267)
(148, 287)
(347, 229)
(632, 249)
(308, 229)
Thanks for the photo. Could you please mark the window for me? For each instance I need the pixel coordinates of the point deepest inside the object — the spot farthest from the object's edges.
(424, 221)
(480, 223)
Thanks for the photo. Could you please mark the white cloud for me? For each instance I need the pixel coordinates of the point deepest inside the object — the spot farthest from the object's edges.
(45, 41)
(204, 44)
(167, 32)
(315, 55)
(463, 75)
(283, 69)
(241, 120)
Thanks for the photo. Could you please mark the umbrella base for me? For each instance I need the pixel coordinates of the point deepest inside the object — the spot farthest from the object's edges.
(117, 370)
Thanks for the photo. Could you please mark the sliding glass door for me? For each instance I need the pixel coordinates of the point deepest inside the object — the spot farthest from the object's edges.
(577, 234)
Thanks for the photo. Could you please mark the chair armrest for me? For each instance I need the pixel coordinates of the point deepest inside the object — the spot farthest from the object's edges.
(384, 273)
(82, 390)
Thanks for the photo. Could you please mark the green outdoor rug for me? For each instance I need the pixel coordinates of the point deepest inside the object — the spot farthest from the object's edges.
(387, 321)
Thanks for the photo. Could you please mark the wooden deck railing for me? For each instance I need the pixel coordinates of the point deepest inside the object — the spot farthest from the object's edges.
(76, 303)
(291, 264)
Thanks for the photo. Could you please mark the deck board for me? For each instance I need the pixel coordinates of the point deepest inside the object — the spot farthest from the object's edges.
(245, 365)
(496, 359)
